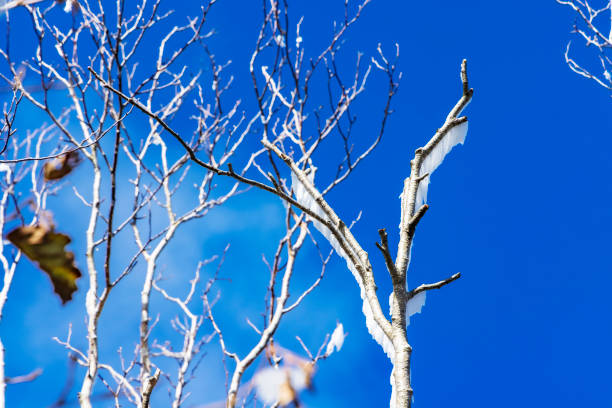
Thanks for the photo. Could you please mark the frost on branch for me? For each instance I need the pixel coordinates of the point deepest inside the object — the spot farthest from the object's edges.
(455, 136)
(336, 341)
(303, 197)
(413, 306)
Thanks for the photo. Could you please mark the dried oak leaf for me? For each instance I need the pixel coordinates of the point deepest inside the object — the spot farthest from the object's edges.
(59, 167)
(46, 248)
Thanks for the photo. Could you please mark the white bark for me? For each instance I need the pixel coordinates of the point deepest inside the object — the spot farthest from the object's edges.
(92, 304)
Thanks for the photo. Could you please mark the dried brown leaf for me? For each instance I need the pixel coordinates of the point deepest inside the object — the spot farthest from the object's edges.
(59, 167)
(47, 249)
(286, 392)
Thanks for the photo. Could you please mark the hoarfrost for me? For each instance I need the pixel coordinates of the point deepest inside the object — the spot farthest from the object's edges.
(413, 306)
(435, 157)
(336, 341)
(303, 197)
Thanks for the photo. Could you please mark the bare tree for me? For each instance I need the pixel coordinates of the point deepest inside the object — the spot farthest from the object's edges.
(148, 136)
(593, 25)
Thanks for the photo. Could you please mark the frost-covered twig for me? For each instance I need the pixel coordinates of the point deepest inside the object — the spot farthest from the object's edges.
(595, 29)
(96, 112)
(295, 126)
(243, 363)
(189, 332)
(413, 207)
(13, 178)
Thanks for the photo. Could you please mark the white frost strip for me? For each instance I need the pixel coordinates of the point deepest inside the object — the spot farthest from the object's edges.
(303, 197)
(336, 341)
(413, 306)
(454, 137)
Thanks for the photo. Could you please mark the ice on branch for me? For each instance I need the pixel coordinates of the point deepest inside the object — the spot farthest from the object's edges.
(303, 197)
(413, 306)
(336, 341)
(455, 136)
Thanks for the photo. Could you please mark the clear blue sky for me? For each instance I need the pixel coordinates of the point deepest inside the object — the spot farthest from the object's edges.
(522, 211)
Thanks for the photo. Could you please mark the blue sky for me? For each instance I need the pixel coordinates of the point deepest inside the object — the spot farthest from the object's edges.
(522, 210)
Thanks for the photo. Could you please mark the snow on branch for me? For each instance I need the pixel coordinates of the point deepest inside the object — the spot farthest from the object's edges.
(305, 198)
